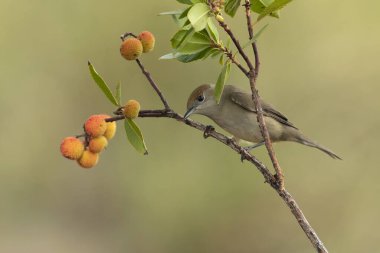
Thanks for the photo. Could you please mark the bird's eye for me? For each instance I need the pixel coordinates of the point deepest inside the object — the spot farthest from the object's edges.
(200, 98)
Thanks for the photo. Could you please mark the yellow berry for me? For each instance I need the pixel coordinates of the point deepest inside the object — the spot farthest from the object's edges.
(95, 125)
(131, 49)
(72, 148)
(111, 128)
(88, 159)
(98, 144)
(147, 40)
(132, 109)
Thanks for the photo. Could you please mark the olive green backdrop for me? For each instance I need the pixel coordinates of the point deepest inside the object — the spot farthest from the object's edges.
(320, 67)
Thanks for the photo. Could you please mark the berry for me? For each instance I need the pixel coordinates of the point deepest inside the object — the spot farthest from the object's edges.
(111, 128)
(147, 40)
(131, 49)
(88, 159)
(72, 148)
(131, 109)
(95, 125)
(98, 144)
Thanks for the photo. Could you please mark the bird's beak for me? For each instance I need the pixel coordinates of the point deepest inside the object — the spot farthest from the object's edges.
(189, 112)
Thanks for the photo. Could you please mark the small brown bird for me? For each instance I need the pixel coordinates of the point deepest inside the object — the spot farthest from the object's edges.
(236, 114)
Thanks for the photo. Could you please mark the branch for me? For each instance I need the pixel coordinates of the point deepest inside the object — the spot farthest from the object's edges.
(258, 107)
(247, 6)
(269, 178)
(276, 182)
(153, 84)
(230, 56)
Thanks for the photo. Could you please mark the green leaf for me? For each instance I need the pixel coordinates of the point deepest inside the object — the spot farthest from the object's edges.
(181, 38)
(223, 76)
(135, 136)
(170, 56)
(197, 56)
(273, 7)
(179, 12)
(255, 37)
(212, 31)
(189, 2)
(231, 7)
(259, 6)
(118, 94)
(198, 16)
(192, 43)
(102, 84)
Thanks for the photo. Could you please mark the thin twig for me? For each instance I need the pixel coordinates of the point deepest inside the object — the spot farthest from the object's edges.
(230, 56)
(153, 84)
(269, 178)
(247, 6)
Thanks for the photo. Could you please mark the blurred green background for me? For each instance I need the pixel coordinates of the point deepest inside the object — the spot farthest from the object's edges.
(320, 67)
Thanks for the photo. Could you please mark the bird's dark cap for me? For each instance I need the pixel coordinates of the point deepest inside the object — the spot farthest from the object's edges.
(196, 93)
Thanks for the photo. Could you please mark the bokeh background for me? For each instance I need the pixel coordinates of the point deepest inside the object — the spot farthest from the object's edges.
(320, 67)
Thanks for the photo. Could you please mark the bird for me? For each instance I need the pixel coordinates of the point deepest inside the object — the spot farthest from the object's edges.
(236, 113)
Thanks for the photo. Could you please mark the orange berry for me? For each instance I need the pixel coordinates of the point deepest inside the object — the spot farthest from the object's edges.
(111, 128)
(95, 125)
(147, 40)
(131, 109)
(131, 49)
(98, 144)
(72, 148)
(88, 159)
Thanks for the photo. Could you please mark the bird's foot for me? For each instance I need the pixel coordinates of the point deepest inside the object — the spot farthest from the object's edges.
(207, 131)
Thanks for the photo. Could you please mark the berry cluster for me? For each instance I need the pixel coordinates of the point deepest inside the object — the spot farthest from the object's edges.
(97, 134)
(132, 47)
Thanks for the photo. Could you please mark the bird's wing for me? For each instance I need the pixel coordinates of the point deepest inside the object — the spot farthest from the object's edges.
(245, 101)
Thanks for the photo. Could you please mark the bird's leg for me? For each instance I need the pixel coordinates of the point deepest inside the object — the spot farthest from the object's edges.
(249, 148)
(207, 131)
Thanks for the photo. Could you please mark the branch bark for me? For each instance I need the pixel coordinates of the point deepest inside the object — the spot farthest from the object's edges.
(269, 178)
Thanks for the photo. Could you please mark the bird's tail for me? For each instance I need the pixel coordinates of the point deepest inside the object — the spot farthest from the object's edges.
(308, 142)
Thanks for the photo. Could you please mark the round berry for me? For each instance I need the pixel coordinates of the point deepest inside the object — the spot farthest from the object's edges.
(131, 49)
(72, 148)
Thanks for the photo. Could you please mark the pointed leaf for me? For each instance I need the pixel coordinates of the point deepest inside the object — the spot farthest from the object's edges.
(275, 6)
(231, 7)
(179, 12)
(255, 37)
(181, 37)
(222, 79)
(186, 58)
(118, 94)
(190, 43)
(169, 56)
(189, 2)
(135, 136)
(102, 84)
(198, 16)
(212, 31)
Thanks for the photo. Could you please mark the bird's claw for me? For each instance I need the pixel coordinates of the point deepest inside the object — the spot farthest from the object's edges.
(207, 131)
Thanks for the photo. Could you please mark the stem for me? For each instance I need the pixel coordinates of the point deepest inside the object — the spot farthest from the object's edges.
(247, 6)
(269, 178)
(230, 56)
(258, 107)
(153, 84)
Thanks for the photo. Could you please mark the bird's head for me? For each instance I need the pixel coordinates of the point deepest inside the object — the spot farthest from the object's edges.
(201, 100)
